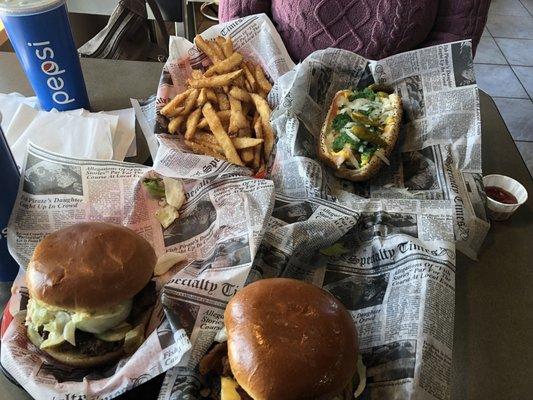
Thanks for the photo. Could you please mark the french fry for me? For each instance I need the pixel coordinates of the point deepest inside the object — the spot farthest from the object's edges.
(238, 89)
(224, 117)
(218, 80)
(257, 126)
(240, 82)
(250, 78)
(247, 156)
(264, 113)
(258, 130)
(169, 109)
(175, 123)
(204, 150)
(196, 73)
(211, 95)
(202, 97)
(237, 119)
(246, 142)
(204, 46)
(262, 93)
(217, 49)
(240, 94)
(262, 81)
(190, 102)
(221, 43)
(209, 141)
(223, 102)
(206, 137)
(220, 134)
(226, 45)
(223, 67)
(192, 123)
(239, 142)
(248, 86)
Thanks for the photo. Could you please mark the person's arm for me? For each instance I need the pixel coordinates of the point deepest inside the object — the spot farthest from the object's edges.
(458, 20)
(232, 9)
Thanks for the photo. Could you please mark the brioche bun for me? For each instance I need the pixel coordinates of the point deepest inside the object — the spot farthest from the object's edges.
(288, 339)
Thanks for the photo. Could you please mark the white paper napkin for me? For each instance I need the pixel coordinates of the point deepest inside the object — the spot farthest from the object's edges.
(67, 134)
(75, 133)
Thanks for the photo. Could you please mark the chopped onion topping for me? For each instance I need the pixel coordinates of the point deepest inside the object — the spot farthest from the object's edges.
(361, 371)
(167, 261)
(352, 159)
(381, 155)
(352, 136)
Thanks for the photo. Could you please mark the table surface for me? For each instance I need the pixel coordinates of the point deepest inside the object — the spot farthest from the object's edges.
(493, 351)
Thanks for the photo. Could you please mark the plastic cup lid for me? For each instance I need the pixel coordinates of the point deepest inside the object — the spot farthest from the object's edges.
(27, 7)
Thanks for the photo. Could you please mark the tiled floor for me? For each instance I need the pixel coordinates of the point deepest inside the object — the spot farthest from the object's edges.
(504, 68)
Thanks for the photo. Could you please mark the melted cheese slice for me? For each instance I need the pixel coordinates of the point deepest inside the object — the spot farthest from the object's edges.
(228, 389)
(61, 324)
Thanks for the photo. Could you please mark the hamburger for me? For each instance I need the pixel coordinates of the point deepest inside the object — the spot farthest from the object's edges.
(286, 340)
(90, 293)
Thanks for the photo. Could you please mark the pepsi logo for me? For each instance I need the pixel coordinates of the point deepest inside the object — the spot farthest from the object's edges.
(48, 66)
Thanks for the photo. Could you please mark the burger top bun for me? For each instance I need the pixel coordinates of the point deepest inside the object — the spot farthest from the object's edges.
(290, 340)
(89, 266)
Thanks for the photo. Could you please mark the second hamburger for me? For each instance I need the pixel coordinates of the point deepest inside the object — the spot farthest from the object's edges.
(286, 340)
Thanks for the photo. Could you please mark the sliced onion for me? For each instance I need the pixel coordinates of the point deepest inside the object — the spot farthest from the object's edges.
(352, 159)
(381, 155)
(361, 371)
(222, 335)
(174, 192)
(167, 261)
(352, 136)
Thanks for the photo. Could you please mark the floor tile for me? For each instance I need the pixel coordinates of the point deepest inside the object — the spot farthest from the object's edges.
(517, 51)
(488, 52)
(507, 7)
(510, 26)
(528, 4)
(486, 33)
(525, 75)
(499, 81)
(526, 151)
(517, 115)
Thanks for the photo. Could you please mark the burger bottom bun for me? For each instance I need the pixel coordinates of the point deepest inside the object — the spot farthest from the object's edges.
(78, 360)
(75, 359)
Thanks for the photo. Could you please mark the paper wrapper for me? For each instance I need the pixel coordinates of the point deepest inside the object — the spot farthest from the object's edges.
(437, 156)
(220, 227)
(385, 248)
(256, 39)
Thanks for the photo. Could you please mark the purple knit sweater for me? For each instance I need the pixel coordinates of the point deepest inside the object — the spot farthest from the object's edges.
(371, 28)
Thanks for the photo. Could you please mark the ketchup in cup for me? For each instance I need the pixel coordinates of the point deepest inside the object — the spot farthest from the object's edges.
(504, 196)
(500, 195)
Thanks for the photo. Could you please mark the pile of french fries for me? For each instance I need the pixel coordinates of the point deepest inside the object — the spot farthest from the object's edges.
(223, 112)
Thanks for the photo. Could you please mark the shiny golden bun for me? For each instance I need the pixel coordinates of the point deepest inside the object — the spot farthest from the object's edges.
(288, 340)
(90, 265)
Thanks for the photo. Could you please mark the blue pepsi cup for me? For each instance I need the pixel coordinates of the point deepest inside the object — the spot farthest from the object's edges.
(8, 194)
(39, 31)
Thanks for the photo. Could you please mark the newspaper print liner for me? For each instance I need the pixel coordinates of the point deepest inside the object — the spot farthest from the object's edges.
(438, 156)
(256, 38)
(396, 267)
(221, 217)
(394, 271)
